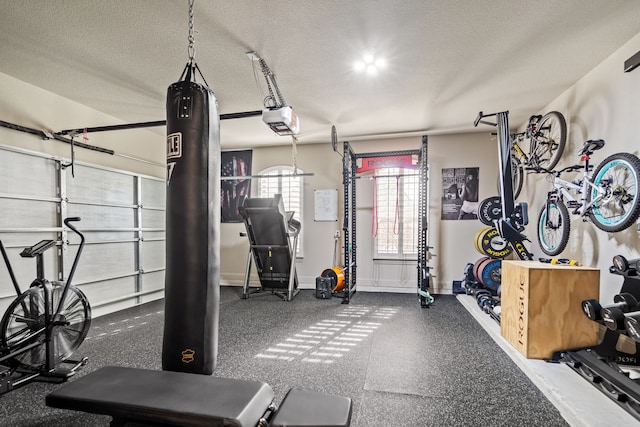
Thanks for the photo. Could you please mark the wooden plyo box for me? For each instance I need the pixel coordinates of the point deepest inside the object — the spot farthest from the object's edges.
(542, 310)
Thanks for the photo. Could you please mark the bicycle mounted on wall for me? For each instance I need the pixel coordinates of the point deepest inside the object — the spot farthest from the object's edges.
(608, 197)
(547, 137)
(512, 217)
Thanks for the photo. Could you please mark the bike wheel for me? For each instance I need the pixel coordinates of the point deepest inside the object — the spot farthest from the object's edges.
(517, 174)
(550, 139)
(553, 228)
(517, 178)
(24, 324)
(615, 195)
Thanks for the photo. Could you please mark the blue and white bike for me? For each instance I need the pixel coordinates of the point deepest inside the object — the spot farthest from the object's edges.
(608, 197)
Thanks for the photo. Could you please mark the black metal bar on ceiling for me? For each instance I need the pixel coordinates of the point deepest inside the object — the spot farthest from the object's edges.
(57, 137)
(228, 116)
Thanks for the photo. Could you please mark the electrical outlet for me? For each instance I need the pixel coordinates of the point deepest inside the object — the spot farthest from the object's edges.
(337, 234)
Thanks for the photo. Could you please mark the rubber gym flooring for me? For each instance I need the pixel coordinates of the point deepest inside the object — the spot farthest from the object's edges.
(401, 364)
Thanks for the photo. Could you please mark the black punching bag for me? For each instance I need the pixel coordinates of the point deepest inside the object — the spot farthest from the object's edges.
(192, 277)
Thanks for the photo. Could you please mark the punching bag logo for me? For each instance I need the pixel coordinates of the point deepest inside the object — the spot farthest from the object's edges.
(174, 151)
(188, 356)
(174, 145)
(170, 167)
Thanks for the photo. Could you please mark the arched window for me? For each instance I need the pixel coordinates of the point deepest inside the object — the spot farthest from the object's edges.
(280, 180)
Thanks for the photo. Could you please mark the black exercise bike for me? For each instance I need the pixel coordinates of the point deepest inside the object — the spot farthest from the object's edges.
(44, 325)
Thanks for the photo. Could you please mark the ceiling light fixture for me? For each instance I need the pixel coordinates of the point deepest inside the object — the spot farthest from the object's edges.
(369, 64)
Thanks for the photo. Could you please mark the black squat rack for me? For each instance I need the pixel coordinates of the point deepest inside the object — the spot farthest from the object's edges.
(349, 177)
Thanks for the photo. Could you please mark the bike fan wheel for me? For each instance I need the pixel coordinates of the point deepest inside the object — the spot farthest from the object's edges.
(24, 324)
(553, 228)
(551, 137)
(619, 176)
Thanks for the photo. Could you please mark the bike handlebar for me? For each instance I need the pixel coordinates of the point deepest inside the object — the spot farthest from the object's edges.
(571, 168)
(67, 222)
(481, 116)
(477, 120)
(72, 219)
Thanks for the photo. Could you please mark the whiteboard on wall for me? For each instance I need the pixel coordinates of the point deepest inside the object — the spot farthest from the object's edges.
(326, 205)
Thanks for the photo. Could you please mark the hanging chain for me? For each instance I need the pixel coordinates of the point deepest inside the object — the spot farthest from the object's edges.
(191, 49)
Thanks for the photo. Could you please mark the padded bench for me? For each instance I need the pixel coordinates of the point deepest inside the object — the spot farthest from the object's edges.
(307, 408)
(139, 396)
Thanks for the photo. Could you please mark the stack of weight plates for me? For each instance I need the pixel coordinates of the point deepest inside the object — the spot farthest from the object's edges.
(488, 272)
(489, 243)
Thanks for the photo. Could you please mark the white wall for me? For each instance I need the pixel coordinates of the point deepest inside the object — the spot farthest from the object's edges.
(452, 240)
(27, 105)
(604, 104)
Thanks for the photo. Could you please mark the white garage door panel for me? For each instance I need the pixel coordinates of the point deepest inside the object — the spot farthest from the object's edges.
(28, 214)
(100, 293)
(100, 186)
(153, 281)
(100, 236)
(152, 255)
(153, 192)
(123, 220)
(153, 219)
(27, 175)
(102, 216)
(107, 260)
(154, 235)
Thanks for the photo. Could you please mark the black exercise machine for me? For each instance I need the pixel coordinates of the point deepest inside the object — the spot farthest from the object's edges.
(273, 241)
(513, 216)
(44, 325)
(601, 364)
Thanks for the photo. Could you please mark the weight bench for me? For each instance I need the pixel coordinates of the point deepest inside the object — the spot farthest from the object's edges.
(134, 396)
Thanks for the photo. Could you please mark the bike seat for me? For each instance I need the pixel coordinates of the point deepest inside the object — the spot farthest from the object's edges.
(37, 249)
(590, 146)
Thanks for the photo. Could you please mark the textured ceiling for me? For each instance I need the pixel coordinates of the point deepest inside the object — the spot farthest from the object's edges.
(446, 59)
